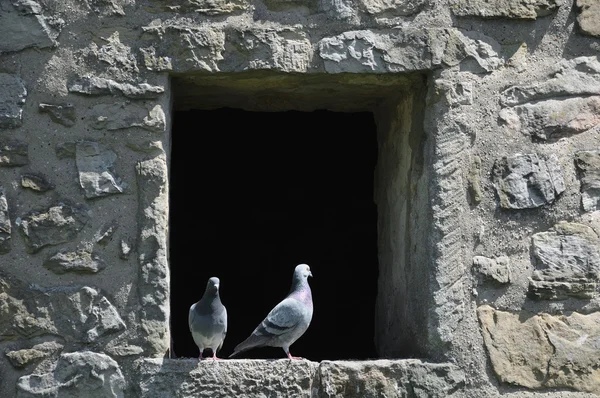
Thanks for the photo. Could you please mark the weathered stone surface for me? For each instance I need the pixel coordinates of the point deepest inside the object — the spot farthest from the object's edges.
(93, 85)
(159, 377)
(153, 279)
(36, 182)
(493, 269)
(123, 115)
(289, 50)
(5, 224)
(527, 181)
(105, 234)
(190, 46)
(554, 118)
(155, 62)
(12, 99)
(588, 18)
(367, 51)
(472, 50)
(517, 9)
(13, 153)
(24, 23)
(588, 167)
(387, 378)
(124, 350)
(567, 262)
(52, 226)
(116, 58)
(125, 248)
(579, 76)
(95, 165)
(22, 358)
(81, 261)
(77, 374)
(207, 7)
(474, 180)
(60, 113)
(543, 351)
(460, 93)
(258, 378)
(74, 313)
(392, 7)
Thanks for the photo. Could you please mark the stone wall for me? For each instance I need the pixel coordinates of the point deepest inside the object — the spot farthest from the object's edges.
(489, 187)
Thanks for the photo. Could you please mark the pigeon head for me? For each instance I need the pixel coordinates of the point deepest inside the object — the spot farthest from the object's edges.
(213, 285)
(302, 272)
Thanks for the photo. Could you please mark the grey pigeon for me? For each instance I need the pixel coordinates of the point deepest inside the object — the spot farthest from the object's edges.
(287, 321)
(208, 319)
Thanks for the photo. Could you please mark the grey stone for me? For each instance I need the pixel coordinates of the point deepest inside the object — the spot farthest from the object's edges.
(578, 76)
(74, 313)
(28, 356)
(153, 275)
(365, 51)
(77, 374)
(388, 378)
(160, 377)
(474, 180)
(57, 224)
(124, 350)
(554, 118)
(60, 113)
(94, 85)
(79, 261)
(125, 248)
(36, 182)
(514, 9)
(527, 181)
(24, 23)
(588, 167)
(206, 7)
(12, 99)
(118, 57)
(190, 46)
(392, 7)
(474, 51)
(105, 234)
(5, 224)
(542, 351)
(155, 62)
(588, 17)
(460, 93)
(493, 269)
(290, 50)
(95, 165)
(567, 262)
(13, 153)
(125, 115)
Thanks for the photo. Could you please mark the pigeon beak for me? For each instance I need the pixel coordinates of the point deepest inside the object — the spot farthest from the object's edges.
(309, 273)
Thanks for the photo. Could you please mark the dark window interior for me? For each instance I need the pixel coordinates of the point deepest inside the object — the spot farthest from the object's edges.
(253, 194)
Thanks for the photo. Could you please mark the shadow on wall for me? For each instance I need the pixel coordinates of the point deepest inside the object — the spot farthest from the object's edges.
(260, 194)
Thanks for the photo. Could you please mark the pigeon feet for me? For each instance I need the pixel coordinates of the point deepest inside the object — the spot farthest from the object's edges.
(291, 357)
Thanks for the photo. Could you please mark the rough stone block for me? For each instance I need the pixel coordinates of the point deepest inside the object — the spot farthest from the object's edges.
(5, 224)
(588, 17)
(12, 99)
(554, 118)
(543, 351)
(52, 226)
(567, 262)
(490, 269)
(23, 21)
(123, 115)
(588, 167)
(36, 182)
(60, 113)
(513, 9)
(77, 374)
(527, 181)
(95, 165)
(79, 261)
(25, 357)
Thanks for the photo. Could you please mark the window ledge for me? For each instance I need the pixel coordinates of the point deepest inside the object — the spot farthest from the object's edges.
(298, 378)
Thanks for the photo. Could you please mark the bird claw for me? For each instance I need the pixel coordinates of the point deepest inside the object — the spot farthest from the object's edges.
(292, 357)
